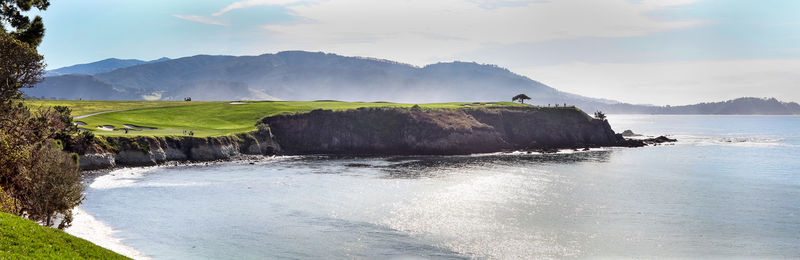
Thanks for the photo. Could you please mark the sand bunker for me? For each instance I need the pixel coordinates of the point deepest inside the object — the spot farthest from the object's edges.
(106, 128)
(138, 127)
(237, 103)
(79, 123)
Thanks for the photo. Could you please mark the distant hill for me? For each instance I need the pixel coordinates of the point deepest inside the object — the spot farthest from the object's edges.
(99, 66)
(216, 91)
(299, 75)
(739, 106)
(73, 87)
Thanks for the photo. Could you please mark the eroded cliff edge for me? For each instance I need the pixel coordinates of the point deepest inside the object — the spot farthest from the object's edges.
(395, 131)
(109, 152)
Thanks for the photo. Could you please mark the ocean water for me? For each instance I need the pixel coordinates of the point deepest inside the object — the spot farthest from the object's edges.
(729, 188)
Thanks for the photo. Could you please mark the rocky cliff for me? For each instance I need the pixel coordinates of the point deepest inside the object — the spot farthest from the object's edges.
(108, 152)
(439, 131)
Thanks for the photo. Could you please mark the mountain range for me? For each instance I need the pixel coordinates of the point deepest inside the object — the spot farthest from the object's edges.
(299, 75)
(100, 66)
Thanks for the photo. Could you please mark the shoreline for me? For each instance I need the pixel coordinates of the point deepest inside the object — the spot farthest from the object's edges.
(91, 174)
(85, 226)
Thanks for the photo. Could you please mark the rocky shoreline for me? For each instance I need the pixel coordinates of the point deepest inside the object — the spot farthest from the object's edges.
(374, 131)
(111, 152)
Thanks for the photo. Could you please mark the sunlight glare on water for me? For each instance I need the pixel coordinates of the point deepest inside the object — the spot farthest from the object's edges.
(727, 189)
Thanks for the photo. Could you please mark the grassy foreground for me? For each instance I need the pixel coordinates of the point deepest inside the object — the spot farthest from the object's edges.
(210, 118)
(24, 239)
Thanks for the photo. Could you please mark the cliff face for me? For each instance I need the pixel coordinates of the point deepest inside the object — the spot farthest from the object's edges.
(459, 131)
(145, 151)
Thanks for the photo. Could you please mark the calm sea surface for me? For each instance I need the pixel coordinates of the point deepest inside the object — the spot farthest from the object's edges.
(729, 188)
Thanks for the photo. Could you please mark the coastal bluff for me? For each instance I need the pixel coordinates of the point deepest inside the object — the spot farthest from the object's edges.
(393, 131)
(370, 131)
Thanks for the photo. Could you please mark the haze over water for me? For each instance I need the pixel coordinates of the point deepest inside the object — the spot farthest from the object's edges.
(728, 188)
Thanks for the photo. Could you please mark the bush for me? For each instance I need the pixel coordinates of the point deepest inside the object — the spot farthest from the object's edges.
(7, 203)
(50, 186)
(42, 180)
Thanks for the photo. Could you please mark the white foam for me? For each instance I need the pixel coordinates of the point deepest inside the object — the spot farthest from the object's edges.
(87, 227)
(134, 177)
(124, 177)
(743, 141)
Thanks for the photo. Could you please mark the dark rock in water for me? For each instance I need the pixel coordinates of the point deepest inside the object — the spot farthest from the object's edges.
(659, 140)
(629, 133)
(358, 165)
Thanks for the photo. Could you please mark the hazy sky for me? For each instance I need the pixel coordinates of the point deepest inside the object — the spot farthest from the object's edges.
(657, 52)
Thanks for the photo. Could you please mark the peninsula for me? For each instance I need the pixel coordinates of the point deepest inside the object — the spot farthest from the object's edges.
(149, 133)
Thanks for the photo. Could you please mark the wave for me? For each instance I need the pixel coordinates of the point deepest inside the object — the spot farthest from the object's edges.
(125, 177)
(732, 140)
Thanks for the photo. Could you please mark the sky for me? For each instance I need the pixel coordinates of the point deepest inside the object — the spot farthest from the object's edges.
(637, 51)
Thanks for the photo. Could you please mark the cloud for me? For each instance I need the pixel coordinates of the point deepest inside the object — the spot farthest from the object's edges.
(199, 19)
(421, 31)
(253, 3)
(675, 83)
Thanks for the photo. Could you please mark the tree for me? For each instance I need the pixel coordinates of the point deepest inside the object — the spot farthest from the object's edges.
(37, 178)
(20, 67)
(51, 185)
(41, 179)
(26, 30)
(600, 115)
(521, 98)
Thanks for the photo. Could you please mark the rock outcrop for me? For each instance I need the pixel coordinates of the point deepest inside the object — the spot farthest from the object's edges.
(439, 131)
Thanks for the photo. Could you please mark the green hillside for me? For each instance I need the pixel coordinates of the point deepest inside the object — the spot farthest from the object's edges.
(24, 239)
(207, 118)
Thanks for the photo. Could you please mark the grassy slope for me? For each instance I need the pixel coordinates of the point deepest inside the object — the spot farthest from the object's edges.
(24, 239)
(215, 118)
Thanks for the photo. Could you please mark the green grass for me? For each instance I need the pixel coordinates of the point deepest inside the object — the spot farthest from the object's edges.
(215, 118)
(86, 107)
(24, 239)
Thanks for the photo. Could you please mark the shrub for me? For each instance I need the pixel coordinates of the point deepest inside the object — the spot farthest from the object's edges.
(50, 186)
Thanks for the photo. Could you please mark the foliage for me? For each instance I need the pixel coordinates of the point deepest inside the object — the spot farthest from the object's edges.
(51, 185)
(7, 203)
(42, 179)
(600, 115)
(24, 239)
(20, 67)
(521, 98)
(82, 142)
(26, 30)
